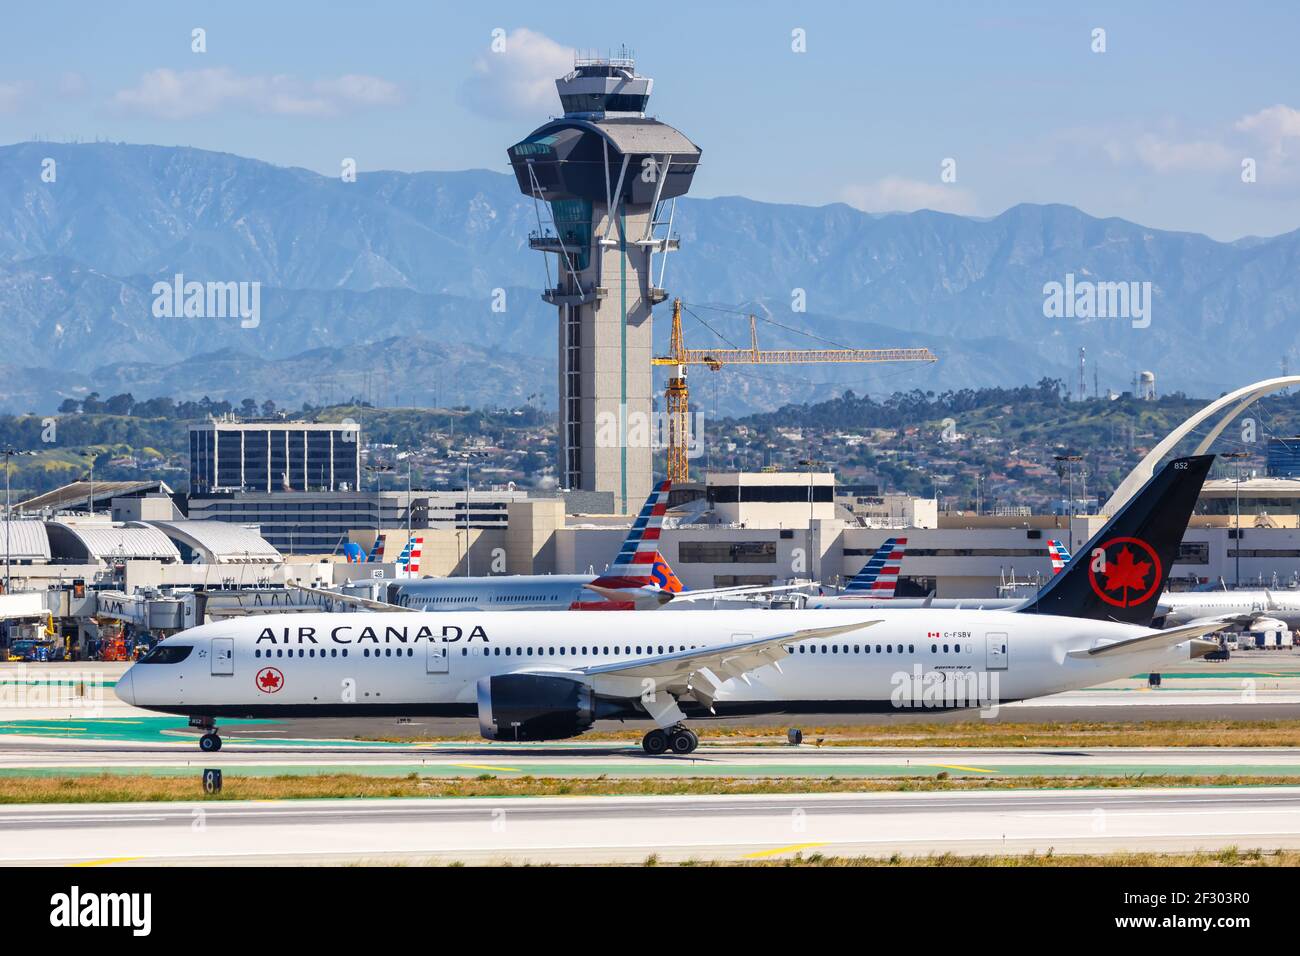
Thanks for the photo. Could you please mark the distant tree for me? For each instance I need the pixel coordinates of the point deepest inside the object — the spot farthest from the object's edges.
(119, 404)
(69, 406)
(91, 404)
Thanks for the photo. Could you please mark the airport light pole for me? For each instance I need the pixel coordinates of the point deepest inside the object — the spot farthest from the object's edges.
(810, 464)
(1067, 462)
(466, 456)
(9, 454)
(378, 470)
(1236, 457)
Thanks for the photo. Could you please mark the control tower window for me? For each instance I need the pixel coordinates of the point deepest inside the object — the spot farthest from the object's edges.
(603, 102)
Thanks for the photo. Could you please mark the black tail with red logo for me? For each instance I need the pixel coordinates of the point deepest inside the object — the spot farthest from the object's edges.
(1121, 573)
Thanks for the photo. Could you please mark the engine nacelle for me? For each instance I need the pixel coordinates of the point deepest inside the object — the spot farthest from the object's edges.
(534, 707)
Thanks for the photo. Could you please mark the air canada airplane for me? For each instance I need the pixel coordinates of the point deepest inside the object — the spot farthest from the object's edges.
(548, 676)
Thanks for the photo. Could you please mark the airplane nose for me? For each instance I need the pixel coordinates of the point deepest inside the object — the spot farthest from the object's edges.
(125, 687)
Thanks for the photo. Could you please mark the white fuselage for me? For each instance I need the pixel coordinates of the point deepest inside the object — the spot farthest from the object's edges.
(1186, 606)
(496, 593)
(850, 601)
(400, 663)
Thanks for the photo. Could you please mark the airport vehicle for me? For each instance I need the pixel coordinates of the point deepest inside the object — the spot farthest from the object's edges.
(544, 676)
(33, 651)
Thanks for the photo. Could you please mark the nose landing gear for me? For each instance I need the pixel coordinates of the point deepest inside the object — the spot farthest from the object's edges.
(678, 739)
(211, 740)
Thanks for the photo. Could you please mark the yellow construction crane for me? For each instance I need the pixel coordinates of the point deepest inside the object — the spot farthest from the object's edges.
(677, 397)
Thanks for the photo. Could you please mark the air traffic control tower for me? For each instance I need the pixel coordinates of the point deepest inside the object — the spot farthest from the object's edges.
(604, 179)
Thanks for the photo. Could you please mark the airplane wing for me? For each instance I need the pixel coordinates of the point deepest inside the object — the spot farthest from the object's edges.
(739, 590)
(1158, 639)
(353, 599)
(702, 671)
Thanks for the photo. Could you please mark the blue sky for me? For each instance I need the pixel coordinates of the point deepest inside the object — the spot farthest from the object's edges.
(1154, 129)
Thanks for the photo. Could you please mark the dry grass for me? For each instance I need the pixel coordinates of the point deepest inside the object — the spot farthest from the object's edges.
(984, 733)
(1230, 857)
(115, 788)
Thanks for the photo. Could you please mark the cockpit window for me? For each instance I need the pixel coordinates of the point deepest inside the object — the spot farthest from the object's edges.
(167, 654)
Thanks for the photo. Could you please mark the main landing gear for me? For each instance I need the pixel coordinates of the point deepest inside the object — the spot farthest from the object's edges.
(210, 742)
(678, 739)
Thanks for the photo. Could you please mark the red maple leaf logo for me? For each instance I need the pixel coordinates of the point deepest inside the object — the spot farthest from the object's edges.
(269, 680)
(1124, 572)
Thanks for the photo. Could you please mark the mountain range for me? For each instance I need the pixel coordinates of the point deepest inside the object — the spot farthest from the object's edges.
(388, 285)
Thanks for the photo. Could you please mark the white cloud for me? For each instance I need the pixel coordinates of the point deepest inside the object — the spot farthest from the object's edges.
(898, 194)
(12, 96)
(1167, 155)
(182, 94)
(518, 82)
(1272, 127)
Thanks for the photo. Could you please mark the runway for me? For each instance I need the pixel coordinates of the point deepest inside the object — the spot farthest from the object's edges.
(628, 761)
(630, 829)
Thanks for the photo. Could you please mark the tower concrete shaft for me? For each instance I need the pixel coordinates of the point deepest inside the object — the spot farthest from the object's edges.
(604, 179)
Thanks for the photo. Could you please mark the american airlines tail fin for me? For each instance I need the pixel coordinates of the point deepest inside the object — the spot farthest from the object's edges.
(408, 562)
(635, 564)
(1059, 554)
(378, 549)
(879, 576)
(1121, 573)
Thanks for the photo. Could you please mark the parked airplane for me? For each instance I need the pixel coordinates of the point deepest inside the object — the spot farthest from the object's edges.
(1059, 554)
(1254, 609)
(639, 579)
(546, 676)
(354, 555)
(875, 584)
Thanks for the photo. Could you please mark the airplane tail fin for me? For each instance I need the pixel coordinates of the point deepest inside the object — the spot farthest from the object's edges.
(666, 578)
(1121, 573)
(879, 576)
(634, 566)
(1059, 554)
(408, 562)
(378, 549)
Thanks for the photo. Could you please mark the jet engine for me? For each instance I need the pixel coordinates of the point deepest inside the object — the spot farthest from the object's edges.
(534, 707)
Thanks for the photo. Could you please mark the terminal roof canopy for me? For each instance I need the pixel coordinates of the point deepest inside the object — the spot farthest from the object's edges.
(218, 542)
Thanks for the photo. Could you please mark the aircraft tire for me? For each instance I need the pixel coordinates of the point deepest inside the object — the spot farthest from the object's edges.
(655, 742)
(684, 742)
(209, 743)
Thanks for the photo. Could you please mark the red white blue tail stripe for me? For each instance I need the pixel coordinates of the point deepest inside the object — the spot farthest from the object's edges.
(1059, 554)
(879, 576)
(408, 562)
(635, 564)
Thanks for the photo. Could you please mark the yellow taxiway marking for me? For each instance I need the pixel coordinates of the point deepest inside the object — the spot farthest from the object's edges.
(106, 862)
(480, 766)
(953, 766)
(781, 849)
(63, 727)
